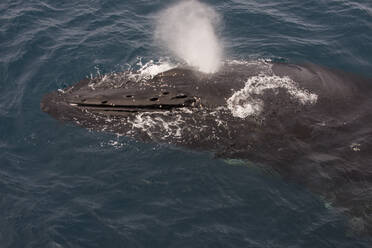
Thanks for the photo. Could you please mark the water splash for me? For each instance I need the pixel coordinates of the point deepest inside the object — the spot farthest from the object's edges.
(246, 102)
(187, 29)
(152, 68)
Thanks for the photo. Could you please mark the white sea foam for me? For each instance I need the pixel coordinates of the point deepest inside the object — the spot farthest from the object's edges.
(143, 122)
(246, 102)
(151, 122)
(248, 62)
(152, 68)
(187, 29)
(142, 71)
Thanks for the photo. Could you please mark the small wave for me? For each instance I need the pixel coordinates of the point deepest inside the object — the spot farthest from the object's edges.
(152, 68)
(139, 72)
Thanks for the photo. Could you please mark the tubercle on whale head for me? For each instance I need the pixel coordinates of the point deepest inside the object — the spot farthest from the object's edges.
(161, 93)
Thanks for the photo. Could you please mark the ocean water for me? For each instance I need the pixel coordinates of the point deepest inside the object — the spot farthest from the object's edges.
(65, 186)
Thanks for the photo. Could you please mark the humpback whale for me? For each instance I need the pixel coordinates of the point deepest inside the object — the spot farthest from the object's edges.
(310, 123)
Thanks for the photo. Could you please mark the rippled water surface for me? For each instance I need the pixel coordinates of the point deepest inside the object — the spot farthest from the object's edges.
(64, 186)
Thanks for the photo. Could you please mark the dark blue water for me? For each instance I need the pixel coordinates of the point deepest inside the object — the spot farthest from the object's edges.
(63, 186)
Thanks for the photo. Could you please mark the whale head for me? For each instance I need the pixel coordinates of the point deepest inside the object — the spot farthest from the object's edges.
(309, 123)
(242, 108)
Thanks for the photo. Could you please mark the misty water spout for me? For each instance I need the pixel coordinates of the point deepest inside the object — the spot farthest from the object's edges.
(187, 29)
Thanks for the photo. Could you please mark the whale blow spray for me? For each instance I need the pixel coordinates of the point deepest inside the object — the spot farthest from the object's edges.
(187, 29)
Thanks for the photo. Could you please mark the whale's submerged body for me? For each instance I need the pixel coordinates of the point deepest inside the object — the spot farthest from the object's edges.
(310, 123)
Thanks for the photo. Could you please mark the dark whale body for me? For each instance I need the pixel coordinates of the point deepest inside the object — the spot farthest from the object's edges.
(310, 123)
